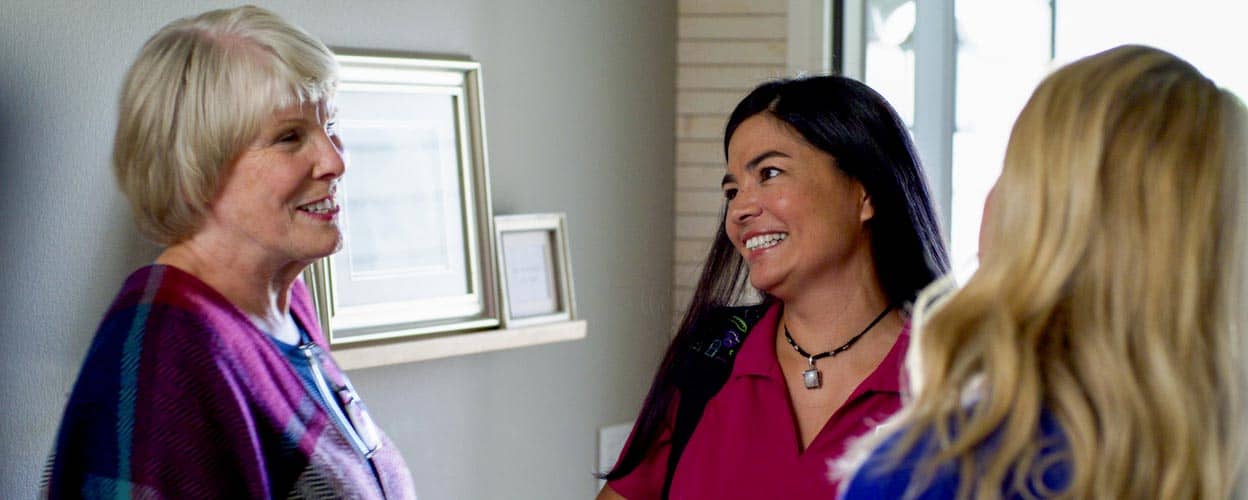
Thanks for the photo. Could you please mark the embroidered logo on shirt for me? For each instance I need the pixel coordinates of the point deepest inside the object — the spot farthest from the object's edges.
(726, 345)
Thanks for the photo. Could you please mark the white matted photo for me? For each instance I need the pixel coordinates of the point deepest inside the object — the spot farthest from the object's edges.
(417, 255)
(535, 276)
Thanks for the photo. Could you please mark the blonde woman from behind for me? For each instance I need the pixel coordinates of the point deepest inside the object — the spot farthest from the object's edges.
(1097, 351)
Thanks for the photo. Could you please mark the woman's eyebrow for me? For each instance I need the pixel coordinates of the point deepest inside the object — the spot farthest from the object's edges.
(753, 164)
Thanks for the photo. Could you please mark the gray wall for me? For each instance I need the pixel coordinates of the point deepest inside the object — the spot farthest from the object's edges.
(579, 112)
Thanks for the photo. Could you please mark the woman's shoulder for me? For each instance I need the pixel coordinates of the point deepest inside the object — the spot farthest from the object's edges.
(738, 317)
(154, 334)
(161, 311)
(888, 471)
(149, 295)
(722, 330)
(169, 286)
(900, 466)
(703, 364)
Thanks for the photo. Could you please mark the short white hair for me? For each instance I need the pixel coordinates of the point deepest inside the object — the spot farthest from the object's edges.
(193, 99)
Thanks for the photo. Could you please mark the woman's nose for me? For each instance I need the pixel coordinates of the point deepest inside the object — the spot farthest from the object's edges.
(743, 206)
(331, 157)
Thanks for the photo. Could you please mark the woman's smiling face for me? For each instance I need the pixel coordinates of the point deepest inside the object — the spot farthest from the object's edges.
(278, 199)
(792, 214)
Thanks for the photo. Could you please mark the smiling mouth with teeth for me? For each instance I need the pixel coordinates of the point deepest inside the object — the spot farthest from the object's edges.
(765, 241)
(322, 207)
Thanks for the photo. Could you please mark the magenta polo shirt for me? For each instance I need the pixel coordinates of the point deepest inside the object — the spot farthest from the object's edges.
(747, 445)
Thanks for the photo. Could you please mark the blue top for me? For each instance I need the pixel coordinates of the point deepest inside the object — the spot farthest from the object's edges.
(335, 399)
(303, 366)
(875, 479)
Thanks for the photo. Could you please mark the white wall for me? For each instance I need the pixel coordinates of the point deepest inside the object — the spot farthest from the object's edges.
(579, 112)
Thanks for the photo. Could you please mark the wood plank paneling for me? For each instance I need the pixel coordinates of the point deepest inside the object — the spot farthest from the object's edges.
(730, 52)
(774, 7)
(724, 49)
(686, 274)
(700, 203)
(696, 226)
(698, 178)
(718, 102)
(735, 78)
(732, 27)
(692, 251)
(699, 151)
(709, 127)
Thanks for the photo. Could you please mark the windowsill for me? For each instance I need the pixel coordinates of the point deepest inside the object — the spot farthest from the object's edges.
(355, 357)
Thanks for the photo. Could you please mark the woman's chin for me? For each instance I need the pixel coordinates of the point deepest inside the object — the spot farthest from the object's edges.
(781, 285)
(322, 249)
(335, 248)
(764, 284)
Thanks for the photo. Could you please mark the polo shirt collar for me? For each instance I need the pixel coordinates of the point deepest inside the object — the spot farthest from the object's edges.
(888, 376)
(758, 352)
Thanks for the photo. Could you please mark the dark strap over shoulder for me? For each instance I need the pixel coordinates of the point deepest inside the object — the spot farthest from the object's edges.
(704, 369)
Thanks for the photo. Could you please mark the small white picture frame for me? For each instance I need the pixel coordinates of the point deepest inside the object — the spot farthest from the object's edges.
(535, 276)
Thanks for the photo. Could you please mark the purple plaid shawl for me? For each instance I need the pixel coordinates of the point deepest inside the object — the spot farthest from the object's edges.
(181, 396)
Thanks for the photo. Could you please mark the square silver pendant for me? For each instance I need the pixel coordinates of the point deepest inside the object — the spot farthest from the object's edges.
(812, 378)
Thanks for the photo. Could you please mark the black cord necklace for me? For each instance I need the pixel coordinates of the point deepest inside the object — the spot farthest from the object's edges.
(812, 377)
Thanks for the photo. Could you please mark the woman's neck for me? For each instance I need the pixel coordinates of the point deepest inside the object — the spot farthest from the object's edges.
(260, 289)
(829, 312)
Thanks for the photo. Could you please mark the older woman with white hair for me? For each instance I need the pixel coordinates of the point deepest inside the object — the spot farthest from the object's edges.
(209, 376)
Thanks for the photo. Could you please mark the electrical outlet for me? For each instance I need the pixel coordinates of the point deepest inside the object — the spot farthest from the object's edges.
(611, 440)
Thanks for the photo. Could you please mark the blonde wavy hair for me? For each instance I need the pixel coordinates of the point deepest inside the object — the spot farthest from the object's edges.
(195, 96)
(1108, 296)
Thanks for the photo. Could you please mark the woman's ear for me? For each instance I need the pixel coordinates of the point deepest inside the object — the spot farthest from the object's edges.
(866, 210)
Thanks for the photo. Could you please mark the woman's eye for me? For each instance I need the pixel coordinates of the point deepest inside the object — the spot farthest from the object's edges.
(768, 172)
(288, 136)
(730, 193)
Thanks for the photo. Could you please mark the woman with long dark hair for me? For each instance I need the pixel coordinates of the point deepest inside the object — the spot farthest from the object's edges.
(827, 210)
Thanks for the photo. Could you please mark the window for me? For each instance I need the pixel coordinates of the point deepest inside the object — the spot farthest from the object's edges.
(1004, 49)
(959, 90)
(890, 53)
(1202, 31)
(959, 72)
